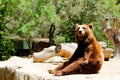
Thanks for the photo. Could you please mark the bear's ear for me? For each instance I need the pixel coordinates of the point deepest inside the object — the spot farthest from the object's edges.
(90, 25)
(77, 25)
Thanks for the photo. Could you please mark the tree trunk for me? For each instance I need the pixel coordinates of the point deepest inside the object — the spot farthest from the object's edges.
(29, 42)
(113, 34)
(0, 57)
(51, 34)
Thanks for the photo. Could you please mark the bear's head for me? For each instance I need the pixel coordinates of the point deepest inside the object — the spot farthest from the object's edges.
(83, 32)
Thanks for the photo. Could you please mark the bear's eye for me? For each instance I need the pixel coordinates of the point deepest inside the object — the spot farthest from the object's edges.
(78, 28)
(84, 28)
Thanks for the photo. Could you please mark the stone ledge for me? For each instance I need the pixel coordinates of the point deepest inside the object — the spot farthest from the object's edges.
(24, 69)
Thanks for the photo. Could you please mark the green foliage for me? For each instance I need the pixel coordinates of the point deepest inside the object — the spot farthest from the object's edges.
(76, 11)
(69, 34)
(59, 39)
(6, 49)
(85, 12)
(33, 18)
(110, 9)
(25, 30)
(25, 18)
(6, 46)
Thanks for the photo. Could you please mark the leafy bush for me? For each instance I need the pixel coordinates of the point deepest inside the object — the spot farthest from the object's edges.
(59, 39)
(6, 49)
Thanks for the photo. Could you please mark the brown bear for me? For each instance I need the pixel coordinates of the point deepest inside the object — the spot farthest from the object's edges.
(87, 58)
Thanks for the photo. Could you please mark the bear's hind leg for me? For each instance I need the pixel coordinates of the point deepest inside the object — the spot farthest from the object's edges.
(73, 68)
(60, 67)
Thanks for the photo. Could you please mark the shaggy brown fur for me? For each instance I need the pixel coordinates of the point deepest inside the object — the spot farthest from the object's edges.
(88, 57)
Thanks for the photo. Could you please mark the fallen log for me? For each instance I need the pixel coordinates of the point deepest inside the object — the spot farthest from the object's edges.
(65, 50)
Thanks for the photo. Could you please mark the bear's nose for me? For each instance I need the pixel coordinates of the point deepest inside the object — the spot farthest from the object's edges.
(80, 32)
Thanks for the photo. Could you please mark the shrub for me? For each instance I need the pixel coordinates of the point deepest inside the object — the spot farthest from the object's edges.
(6, 48)
(59, 39)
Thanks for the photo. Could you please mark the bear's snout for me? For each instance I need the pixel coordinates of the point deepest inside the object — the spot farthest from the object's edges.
(80, 32)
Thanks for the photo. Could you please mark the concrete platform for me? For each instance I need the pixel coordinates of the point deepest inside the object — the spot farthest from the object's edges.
(17, 68)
